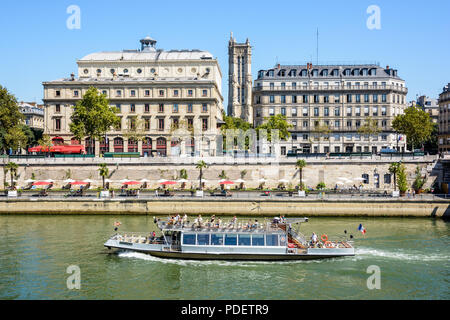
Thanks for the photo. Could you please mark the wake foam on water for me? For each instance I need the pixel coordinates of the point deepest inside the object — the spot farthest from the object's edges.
(147, 257)
(401, 255)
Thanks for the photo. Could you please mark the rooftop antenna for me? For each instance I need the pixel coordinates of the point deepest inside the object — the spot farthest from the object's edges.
(317, 46)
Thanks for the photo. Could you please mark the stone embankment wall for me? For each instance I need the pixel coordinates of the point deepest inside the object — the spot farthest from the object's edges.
(317, 170)
(257, 208)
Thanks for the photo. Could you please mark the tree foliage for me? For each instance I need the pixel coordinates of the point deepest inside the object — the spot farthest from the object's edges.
(300, 165)
(93, 116)
(416, 124)
(277, 122)
(11, 127)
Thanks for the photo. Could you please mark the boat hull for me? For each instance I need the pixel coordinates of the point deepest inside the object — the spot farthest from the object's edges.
(162, 251)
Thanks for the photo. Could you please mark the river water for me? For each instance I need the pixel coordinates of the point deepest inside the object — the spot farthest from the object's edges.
(412, 255)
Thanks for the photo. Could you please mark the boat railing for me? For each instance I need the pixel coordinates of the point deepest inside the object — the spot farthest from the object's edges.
(134, 237)
(223, 227)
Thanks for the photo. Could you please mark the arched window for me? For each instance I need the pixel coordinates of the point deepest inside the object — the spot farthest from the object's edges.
(118, 144)
(147, 147)
(132, 145)
(104, 145)
(161, 146)
(58, 141)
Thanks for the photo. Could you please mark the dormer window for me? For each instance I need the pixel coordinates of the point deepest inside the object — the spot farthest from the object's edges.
(364, 72)
(335, 73)
(347, 72)
(270, 73)
(315, 73)
(356, 72)
(260, 74)
(293, 73)
(325, 72)
(373, 72)
(304, 73)
(282, 73)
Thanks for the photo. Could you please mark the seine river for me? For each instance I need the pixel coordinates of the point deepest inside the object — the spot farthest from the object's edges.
(412, 255)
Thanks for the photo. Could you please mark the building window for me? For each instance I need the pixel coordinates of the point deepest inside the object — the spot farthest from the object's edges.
(133, 93)
(271, 111)
(57, 124)
(337, 123)
(294, 112)
(204, 107)
(305, 98)
(58, 93)
(147, 124)
(205, 93)
(358, 98)
(133, 108)
(161, 124)
(118, 93)
(383, 111)
(272, 99)
(75, 93)
(283, 151)
(365, 176)
(175, 108)
(316, 111)
(58, 108)
(190, 108)
(387, 178)
(283, 111)
(349, 98)
(366, 98)
(119, 107)
(375, 98)
(283, 99)
(175, 93)
(205, 124)
(326, 98)
(337, 98)
(326, 111)
(305, 124)
(375, 111)
(190, 93)
(147, 93)
(161, 93)
(294, 99)
(147, 108)
(337, 112)
(161, 107)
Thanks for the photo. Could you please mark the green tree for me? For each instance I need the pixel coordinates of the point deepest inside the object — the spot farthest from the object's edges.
(369, 128)
(416, 124)
(11, 134)
(223, 175)
(300, 165)
(402, 183)
(277, 122)
(321, 130)
(201, 165)
(243, 174)
(393, 169)
(232, 123)
(103, 172)
(12, 168)
(418, 181)
(93, 117)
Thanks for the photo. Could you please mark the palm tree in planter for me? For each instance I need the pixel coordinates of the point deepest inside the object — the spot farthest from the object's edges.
(418, 181)
(300, 165)
(104, 172)
(12, 168)
(393, 169)
(201, 165)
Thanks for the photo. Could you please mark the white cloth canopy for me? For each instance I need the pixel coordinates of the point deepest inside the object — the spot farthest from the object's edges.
(182, 181)
(240, 181)
(283, 181)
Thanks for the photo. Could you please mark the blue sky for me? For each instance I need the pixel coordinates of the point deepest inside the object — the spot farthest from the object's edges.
(37, 46)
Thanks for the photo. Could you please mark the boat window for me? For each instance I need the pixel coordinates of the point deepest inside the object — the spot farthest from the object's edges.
(203, 239)
(258, 240)
(282, 240)
(231, 239)
(189, 238)
(216, 239)
(271, 240)
(244, 240)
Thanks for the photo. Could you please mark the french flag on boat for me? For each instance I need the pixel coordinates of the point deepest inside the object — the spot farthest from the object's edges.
(362, 229)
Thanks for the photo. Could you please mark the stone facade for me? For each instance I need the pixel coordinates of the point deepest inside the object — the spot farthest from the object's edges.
(240, 80)
(155, 89)
(444, 120)
(328, 104)
(34, 114)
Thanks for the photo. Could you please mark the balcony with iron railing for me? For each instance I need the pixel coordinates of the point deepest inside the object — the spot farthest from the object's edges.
(331, 88)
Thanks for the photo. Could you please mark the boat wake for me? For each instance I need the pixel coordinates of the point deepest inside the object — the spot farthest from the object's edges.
(400, 255)
(182, 262)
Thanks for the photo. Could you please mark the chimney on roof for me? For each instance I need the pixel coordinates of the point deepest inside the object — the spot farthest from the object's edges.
(72, 76)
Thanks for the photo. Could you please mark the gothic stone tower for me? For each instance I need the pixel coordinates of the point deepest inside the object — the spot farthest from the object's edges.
(240, 80)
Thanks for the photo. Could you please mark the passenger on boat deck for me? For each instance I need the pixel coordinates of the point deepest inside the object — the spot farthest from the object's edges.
(276, 220)
(200, 220)
(314, 239)
(255, 225)
(213, 217)
(219, 223)
(249, 224)
(185, 217)
(233, 222)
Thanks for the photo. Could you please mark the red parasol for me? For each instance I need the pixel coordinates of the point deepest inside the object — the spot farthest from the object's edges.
(42, 183)
(227, 182)
(168, 183)
(131, 183)
(77, 183)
